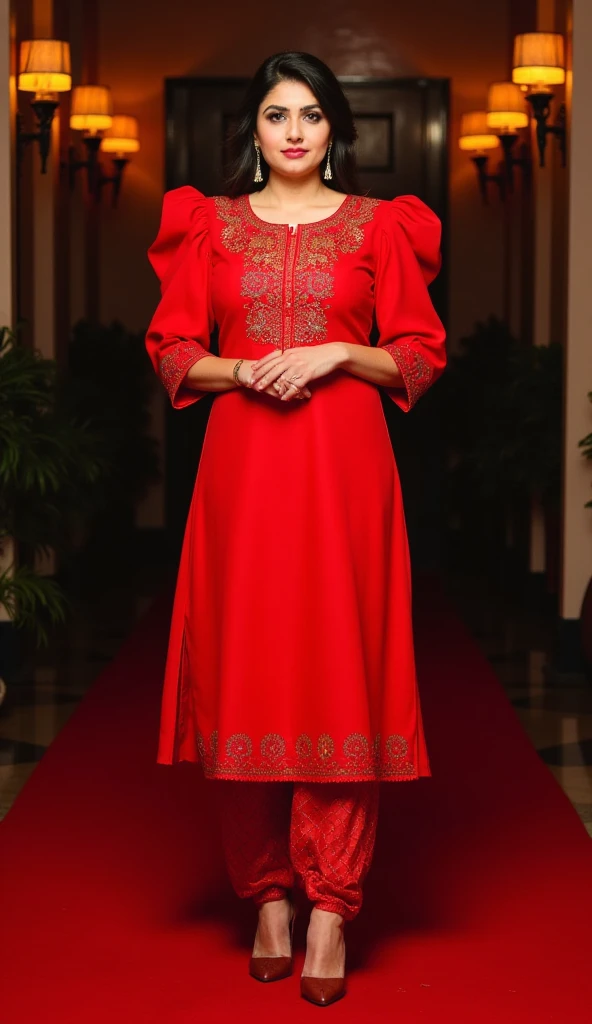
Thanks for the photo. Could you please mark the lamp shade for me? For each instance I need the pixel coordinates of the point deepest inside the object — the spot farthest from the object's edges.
(539, 59)
(44, 66)
(505, 107)
(475, 133)
(91, 109)
(122, 137)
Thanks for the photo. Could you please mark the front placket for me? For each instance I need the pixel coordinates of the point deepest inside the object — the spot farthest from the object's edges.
(292, 245)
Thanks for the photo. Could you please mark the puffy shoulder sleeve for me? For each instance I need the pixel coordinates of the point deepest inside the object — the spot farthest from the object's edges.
(179, 332)
(408, 258)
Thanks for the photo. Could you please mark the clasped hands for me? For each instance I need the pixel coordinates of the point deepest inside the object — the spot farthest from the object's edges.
(285, 375)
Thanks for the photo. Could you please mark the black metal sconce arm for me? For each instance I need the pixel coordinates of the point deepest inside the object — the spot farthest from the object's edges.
(44, 111)
(499, 179)
(541, 108)
(96, 177)
(92, 143)
(508, 141)
(120, 163)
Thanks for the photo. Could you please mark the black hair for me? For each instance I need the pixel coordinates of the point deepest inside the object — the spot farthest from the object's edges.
(291, 65)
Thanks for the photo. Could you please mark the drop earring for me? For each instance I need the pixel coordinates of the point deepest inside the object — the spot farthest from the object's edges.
(328, 175)
(258, 176)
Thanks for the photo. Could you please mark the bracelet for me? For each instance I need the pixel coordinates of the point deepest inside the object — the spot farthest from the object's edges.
(235, 374)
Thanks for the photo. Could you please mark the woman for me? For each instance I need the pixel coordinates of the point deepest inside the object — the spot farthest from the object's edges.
(290, 673)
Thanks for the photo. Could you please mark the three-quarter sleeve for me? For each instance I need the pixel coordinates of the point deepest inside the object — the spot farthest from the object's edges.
(408, 259)
(179, 332)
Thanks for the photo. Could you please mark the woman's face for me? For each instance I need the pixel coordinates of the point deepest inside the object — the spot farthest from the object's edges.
(291, 118)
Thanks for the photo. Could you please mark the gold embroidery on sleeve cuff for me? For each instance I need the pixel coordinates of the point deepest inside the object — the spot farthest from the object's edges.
(175, 364)
(415, 369)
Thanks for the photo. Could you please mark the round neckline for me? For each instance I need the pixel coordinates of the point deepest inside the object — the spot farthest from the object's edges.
(274, 224)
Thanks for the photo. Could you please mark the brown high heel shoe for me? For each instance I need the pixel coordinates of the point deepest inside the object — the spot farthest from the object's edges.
(322, 991)
(274, 968)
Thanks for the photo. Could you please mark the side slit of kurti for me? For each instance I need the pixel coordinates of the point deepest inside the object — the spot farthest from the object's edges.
(181, 708)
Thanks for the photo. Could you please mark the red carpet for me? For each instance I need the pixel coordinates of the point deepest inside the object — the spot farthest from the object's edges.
(116, 910)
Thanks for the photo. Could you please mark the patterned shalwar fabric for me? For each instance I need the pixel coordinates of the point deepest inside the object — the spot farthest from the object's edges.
(319, 835)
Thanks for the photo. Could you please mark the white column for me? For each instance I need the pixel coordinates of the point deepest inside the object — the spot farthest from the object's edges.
(542, 180)
(576, 566)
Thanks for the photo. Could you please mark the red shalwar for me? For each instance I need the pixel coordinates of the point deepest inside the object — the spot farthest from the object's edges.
(317, 834)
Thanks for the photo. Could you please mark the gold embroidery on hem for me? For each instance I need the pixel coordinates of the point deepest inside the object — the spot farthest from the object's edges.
(360, 756)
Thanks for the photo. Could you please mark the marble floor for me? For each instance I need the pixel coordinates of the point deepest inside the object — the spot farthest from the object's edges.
(105, 604)
(516, 634)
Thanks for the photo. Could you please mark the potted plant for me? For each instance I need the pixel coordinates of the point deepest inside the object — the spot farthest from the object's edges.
(75, 457)
(503, 418)
(46, 459)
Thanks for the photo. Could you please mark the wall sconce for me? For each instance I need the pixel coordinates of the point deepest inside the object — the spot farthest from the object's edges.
(506, 113)
(538, 64)
(44, 69)
(477, 138)
(121, 138)
(91, 113)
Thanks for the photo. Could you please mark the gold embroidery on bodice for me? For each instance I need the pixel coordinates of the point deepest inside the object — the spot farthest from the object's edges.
(287, 276)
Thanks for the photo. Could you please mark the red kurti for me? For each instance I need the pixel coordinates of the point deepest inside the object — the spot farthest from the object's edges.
(291, 649)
